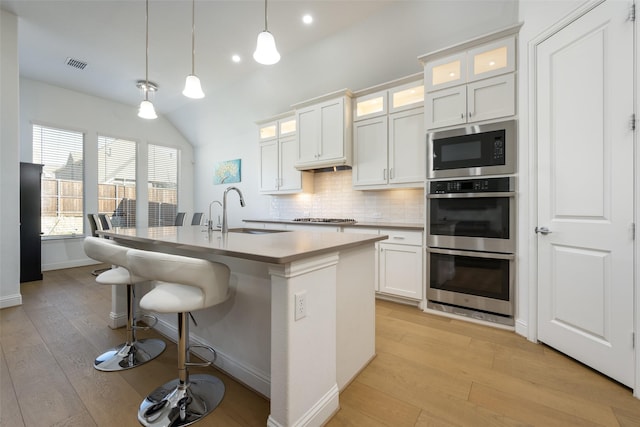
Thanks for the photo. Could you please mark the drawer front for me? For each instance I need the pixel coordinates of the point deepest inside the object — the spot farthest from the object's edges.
(402, 237)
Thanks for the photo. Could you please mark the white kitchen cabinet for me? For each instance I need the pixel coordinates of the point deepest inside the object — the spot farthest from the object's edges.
(491, 59)
(481, 62)
(370, 142)
(269, 167)
(471, 82)
(406, 96)
(400, 270)
(324, 133)
(400, 266)
(399, 262)
(482, 100)
(278, 154)
(407, 148)
(371, 105)
(389, 149)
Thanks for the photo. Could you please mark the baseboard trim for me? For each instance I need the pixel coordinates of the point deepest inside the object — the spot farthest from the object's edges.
(318, 414)
(11, 301)
(259, 381)
(117, 320)
(522, 328)
(68, 264)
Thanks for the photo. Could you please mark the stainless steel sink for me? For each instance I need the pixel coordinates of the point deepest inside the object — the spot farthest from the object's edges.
(255, 230)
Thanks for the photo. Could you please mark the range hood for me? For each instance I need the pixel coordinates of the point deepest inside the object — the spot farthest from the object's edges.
(328, 169)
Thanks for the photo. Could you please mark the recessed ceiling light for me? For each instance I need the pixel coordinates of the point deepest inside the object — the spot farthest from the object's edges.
(236, 58)
(307, 19)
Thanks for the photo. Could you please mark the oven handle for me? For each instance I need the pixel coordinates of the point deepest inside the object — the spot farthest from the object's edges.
(473, 254)
(470, 195)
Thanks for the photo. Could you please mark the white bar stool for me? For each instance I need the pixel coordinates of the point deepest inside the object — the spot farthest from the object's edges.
(184, 285)
(133, 352)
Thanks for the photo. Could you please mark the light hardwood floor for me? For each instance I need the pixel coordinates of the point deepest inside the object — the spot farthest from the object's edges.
(429, 371)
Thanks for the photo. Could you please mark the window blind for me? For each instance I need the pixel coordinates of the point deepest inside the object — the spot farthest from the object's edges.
(163, 185)
(117, 180)
(61, 153)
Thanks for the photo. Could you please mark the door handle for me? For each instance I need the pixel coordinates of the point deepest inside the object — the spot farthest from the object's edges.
(543, 230)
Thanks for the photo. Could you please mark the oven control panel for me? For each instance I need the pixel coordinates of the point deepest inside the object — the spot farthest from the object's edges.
(485, 185)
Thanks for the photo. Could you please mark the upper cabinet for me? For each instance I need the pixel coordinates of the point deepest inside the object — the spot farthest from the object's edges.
(485, 61)
(388, 136)
(324, 131)
(471, 82)
(278, 154)
(478, 101)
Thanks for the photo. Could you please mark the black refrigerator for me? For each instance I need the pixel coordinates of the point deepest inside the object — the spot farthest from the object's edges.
(30, 223)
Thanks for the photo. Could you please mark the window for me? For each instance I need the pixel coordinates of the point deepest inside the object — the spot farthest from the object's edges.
(163, 185)
(117, 180)
(61, 153)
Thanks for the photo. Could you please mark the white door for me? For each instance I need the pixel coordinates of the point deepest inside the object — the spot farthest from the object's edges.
(585, 190)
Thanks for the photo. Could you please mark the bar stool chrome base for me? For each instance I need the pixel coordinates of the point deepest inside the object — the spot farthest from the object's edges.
(129, 355)
(174, 404)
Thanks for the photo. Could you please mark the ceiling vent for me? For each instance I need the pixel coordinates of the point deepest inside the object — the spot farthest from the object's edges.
(76, 63)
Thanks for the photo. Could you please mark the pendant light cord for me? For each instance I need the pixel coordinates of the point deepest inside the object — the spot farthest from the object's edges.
(193, 37)
(146, 70)
(265, 15)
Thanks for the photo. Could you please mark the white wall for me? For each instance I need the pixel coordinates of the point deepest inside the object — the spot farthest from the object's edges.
(9, 163)
(58, 107)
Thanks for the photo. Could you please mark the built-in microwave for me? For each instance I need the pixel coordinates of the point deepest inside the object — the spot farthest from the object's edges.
(473, 150)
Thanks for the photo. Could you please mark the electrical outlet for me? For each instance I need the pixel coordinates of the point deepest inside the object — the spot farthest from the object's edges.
(300, 309)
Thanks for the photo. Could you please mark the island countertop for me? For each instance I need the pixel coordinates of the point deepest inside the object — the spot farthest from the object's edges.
(271, 247)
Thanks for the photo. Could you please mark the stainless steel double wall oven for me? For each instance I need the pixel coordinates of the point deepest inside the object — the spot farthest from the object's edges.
(471, 221)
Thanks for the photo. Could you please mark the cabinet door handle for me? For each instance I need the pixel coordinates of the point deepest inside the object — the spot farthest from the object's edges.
(470, 113)
(391, 173)
(384, 173)
(398, 237)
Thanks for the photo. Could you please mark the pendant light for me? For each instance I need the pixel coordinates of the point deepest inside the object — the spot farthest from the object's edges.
(266, 52)
(146, 110)
(192, 88)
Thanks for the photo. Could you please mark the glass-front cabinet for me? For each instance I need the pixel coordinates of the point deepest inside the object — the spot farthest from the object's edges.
(372, 105)
(406, 96)
(471, 82)
(278, 154)
(492, 59)
(446, 72)
(485, 61)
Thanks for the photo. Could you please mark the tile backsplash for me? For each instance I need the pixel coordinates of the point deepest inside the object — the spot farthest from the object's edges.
(334, 197)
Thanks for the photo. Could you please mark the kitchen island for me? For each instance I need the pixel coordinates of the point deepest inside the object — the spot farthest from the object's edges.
(299, 359)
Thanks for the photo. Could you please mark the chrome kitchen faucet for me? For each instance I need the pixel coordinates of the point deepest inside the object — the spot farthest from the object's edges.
(225, 225)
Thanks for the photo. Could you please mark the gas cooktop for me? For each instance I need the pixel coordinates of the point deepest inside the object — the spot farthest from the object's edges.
(327, 220)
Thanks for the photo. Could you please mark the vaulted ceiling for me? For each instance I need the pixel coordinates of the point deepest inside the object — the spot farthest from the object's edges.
(109, 35)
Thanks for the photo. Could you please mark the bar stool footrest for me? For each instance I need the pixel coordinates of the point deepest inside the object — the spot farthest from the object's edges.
(150, 325)
(202, 364)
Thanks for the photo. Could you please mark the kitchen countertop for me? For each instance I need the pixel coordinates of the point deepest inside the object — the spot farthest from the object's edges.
(406, 226)
(271, 247)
